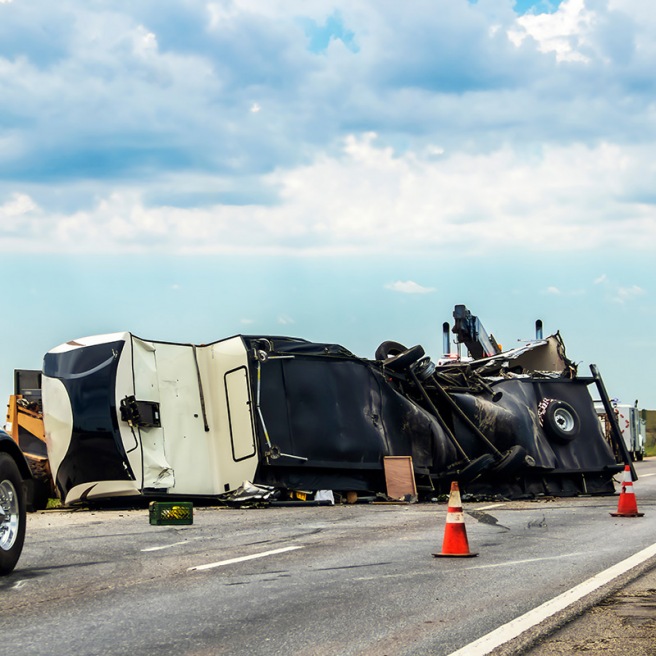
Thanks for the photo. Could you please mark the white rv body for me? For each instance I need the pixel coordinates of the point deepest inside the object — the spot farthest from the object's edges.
(633, 427)
(205, 441)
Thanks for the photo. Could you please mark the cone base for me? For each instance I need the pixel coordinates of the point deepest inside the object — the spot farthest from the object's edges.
(454, 555)
(627, 514)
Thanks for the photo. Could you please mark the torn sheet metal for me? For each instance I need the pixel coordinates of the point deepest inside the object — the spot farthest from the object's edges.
(285, 413)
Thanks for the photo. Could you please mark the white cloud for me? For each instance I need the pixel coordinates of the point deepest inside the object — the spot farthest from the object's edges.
(562, 32)
(18, 204)
(618, 293)
(499, 151)
(145, 42)
(370, 199)
(567, 293)
(285, 320)
(628, 294)
(409, 287)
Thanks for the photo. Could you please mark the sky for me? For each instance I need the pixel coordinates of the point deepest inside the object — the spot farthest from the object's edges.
(343, 171)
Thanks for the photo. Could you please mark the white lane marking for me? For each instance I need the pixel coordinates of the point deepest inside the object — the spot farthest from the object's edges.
(19, 584)
(166, 546)
(646, 475)
(494, 505)
(241, 559)
(382, 576)
(520, 624)
(528, 560)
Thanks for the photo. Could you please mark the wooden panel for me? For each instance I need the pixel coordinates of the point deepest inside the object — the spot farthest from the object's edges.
(400, 478)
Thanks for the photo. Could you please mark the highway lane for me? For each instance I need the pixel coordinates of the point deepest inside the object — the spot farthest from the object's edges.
(359, 579)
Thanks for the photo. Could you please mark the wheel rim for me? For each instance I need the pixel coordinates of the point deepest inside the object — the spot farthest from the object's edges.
(9, 517)
(564, 420)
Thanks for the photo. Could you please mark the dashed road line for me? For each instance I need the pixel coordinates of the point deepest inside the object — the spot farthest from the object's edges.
(241, 559)
(512, 563)
(494, 505)
(166, 546)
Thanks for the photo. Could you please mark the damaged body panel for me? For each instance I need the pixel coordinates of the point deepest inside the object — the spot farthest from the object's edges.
(197, 439)
(127, 416)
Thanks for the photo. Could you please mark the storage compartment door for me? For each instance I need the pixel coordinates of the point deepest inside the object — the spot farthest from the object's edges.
(240, 417)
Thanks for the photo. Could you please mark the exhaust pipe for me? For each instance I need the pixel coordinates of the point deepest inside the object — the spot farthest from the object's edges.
(538, 329)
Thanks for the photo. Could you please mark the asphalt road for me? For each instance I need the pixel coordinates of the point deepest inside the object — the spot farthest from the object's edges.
(352, 579)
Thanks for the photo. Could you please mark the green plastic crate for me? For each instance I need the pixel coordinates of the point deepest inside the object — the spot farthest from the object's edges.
(171, 513)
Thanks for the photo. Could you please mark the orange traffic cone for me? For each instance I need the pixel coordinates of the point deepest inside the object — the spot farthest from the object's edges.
(627, 505)
(455, 534)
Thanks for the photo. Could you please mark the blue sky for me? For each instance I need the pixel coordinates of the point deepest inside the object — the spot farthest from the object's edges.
(342, 170)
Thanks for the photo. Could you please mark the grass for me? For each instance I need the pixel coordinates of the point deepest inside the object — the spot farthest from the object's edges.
(650, 443)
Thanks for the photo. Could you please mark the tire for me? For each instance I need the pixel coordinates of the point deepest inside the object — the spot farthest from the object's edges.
(389, 350)
(12, 513)
(403, 361)
(424, 368)
(510, 462)
(475, 468)
(561, 422)
(640, 455)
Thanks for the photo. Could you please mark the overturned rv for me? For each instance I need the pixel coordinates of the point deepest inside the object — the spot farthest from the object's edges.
(127, 416)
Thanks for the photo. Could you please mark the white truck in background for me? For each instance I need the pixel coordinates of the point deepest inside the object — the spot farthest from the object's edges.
(632, 425)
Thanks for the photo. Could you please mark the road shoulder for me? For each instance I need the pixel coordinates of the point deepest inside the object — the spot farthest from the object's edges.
(618, 618)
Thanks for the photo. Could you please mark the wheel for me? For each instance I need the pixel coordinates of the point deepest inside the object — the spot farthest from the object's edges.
(640, 455)
(560, 420)
(388, 350)
(424, 368)
(12, 513)
(475, 467)
(511, 461)
(403, 360)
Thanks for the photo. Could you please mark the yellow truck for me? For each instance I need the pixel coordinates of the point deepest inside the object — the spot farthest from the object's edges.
(24, 425)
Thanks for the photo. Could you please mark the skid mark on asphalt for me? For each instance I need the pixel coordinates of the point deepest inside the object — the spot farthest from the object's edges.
(330, 569)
